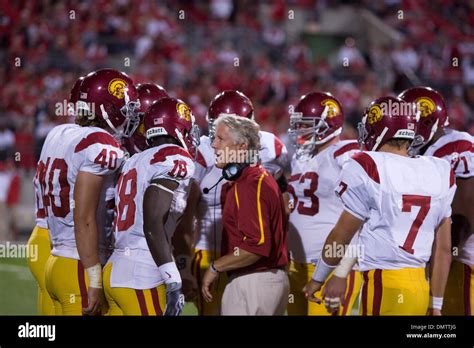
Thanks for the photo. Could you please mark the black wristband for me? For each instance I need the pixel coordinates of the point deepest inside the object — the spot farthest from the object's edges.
(213, 268)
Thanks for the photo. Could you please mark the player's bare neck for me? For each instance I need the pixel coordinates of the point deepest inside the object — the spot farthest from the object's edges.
(324, 146)
(438, 134)
(162, 140)
(401, 151)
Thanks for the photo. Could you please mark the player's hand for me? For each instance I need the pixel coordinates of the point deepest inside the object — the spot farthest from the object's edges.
(207, 284)
(333, 292)
(310, 289)
(174, 299)
(96, 302)
(433, 312)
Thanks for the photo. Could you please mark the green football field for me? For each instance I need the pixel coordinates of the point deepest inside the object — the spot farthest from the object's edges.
(18, 289)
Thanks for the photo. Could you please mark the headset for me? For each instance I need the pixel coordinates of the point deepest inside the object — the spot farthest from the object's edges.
(230, 172)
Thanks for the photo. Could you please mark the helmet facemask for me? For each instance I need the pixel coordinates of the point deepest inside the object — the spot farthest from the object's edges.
(307, 132)
(362, 131)
(131, 114)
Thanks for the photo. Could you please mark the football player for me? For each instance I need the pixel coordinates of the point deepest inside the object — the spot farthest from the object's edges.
(402, 206)
(141, 275)
(208, 191)
(315, 128)
(148, 93)
(457, 148)
(39, 238)
(75, 168)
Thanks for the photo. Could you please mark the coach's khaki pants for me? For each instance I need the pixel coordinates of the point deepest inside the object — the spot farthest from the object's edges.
(259, 293)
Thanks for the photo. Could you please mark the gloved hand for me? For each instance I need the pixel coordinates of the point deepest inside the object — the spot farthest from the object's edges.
(174, 299)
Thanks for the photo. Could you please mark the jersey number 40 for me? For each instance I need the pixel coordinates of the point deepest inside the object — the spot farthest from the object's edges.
(52, 178)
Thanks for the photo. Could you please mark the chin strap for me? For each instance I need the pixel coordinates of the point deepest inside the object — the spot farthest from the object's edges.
(433, 130)
(118, 133)
(181, 139)
(379, 139)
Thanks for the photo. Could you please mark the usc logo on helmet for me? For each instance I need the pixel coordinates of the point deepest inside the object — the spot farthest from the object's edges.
(426, 106)
(183, 111)
(374, 114)
(141, 129)
(117, 88)
(333, 108)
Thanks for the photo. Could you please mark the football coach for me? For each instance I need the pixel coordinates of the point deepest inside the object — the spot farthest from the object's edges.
(254, 226)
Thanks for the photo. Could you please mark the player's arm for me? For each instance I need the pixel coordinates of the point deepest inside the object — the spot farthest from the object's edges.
(440, 265)
(341, 234)
(156, 205)
(86, 199)
(183, 240)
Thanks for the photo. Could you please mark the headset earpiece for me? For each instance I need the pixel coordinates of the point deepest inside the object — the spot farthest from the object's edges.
(232, 171)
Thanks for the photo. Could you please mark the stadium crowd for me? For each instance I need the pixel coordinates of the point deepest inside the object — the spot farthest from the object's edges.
(163, 42)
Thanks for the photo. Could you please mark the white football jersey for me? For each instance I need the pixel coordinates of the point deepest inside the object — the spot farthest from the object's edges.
(316, 207)
(273, 156)
(457, 148)
(133, 264)
(402, 201)
(68, 150)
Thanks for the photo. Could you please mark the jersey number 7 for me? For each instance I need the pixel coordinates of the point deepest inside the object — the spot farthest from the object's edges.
(408, 202)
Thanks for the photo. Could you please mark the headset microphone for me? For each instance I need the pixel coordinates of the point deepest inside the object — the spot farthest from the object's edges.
(230, 172)
(206, 190)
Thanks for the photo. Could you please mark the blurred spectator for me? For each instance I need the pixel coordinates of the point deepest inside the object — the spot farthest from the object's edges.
(9, 200)
(405, 58)
(350, 56)
(194, 56)
(7, 141)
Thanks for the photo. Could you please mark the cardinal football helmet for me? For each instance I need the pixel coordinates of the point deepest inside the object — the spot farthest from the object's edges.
(230, 102)
(111, 95)
(317, 118)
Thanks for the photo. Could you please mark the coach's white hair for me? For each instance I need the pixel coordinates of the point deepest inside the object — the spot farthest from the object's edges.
(243, 130)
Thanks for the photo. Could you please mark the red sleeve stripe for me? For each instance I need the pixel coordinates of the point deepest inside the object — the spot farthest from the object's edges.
(451, 178)
(278, 147)
(456, 146)
(96, 138)
(346, 148)
(200, 159)
(161, 155)
(368, 164)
